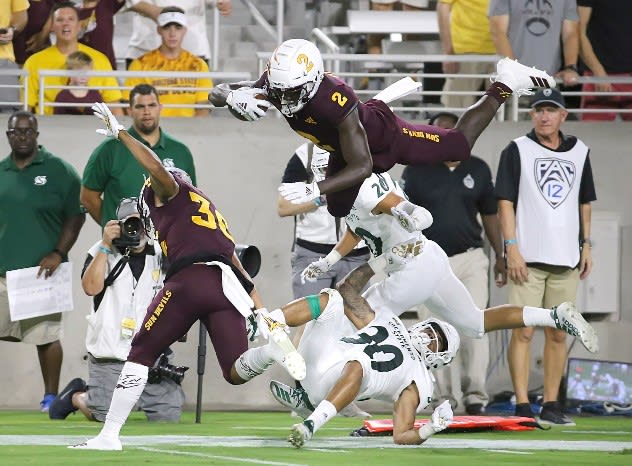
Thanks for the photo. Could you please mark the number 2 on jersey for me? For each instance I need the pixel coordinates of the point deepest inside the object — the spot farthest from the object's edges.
(208, 218)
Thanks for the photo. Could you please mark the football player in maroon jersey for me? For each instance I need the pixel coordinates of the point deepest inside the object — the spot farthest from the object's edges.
(361, 137)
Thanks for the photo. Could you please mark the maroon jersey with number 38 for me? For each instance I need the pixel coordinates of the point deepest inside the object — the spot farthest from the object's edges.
(189, 224)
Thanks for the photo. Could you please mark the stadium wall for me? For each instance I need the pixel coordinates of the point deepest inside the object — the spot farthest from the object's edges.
(239, 165)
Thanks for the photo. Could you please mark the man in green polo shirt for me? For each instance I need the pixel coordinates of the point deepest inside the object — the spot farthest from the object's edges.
(112, 171)
(40, 220)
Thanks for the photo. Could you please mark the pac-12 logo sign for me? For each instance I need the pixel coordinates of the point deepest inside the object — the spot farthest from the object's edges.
(555, 179)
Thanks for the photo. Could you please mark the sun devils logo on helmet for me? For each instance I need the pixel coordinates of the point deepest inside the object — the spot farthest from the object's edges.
(295, 70)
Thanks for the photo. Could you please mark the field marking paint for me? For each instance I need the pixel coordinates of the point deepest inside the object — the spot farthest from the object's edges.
(599, 432)
(328, 443)
(288, 428)
(218, 457)
(513, 452)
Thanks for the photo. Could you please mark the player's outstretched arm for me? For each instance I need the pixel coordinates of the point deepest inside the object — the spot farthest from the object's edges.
(404, 410)
(356, 153)
(219, 93)
(356, 307)
(162, 182)
(318, 268)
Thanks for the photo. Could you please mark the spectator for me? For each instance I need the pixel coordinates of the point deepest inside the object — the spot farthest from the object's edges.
(123, 273)
(605, 36)
(170, 56)
(544, 188)
(316, 232)
(40, 220)
(113, 173)
(464, 29)
(456, 193)
(66, 27)
(374, 41)
(13, 18)
(29, 40)
(77, 61)
(531, 32)
(144, 38)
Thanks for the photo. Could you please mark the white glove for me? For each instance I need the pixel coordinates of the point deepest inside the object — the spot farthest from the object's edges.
(315, 270)
(412, 217)
(267, 322)
(442, 416)
(298, 193)
(244, 102)
(112, 126)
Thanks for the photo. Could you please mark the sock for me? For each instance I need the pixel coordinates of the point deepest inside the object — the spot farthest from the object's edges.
(499, 92)
(537, 317)
(254, 361)
(323, 413)
(129, 387)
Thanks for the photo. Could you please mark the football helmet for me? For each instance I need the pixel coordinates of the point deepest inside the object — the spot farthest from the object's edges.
(320, 160)
(179, 173)
(295, 70)
(446, 337)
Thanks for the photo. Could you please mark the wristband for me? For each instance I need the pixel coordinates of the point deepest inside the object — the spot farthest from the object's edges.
(509, 242)
(105, 250)
(571, 67)
(426, 431)
(318, 201)
(333, 257)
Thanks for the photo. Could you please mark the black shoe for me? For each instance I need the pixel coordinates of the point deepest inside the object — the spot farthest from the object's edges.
(552, 414)
(62, 406)
(524, 410)
(475, 409)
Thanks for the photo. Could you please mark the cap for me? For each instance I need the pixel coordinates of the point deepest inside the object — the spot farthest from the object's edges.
(550, 96)
(172, 17)
(128, 206)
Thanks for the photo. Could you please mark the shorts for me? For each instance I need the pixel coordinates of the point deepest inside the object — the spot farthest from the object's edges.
(546, 287)
(160, 402)
(35, 331)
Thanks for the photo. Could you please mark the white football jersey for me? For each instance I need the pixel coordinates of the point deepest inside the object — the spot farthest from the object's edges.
(381, 231)
(389, 362)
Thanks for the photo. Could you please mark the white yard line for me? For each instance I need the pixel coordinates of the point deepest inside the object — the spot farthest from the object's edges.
(326, 443)
(219, 457)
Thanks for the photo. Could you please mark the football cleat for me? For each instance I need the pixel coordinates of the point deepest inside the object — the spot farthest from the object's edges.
(520, 78)
(301, 433)
(567, 318)
(100, 442)
(62, 405)
(285, 353)
(293, 398)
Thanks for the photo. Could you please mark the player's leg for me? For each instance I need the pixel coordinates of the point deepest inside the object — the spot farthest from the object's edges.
(341, 394)
(169, 316)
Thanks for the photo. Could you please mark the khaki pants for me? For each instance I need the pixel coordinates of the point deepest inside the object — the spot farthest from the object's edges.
(36, 331)
(466, 84)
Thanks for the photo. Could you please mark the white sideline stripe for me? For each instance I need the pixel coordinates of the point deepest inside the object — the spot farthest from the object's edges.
(218, 457)
(513, 452)
(323, 442)
(600, 432)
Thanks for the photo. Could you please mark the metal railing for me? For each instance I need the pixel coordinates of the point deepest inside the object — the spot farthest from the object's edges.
(21, 86)
(122, 76)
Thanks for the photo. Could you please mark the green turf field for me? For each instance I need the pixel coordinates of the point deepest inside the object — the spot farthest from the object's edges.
(239, 438)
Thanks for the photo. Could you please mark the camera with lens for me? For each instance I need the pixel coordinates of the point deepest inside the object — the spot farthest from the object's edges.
(131, 233)
(163, 370)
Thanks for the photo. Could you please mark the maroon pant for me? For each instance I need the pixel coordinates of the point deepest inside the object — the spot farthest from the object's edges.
(194, 293)
(393, 141)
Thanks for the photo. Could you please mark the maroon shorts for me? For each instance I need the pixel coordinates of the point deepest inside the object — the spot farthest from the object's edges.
(194, 293)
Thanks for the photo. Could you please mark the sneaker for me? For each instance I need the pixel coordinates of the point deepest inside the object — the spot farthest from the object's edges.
(520, 78)
(524, 410)
(552, 414)
(475, 409)
(301, 433)
(293, 398)
(62, 405)
(568, 319)
(286, 353)
(46, 401)
(100, 442)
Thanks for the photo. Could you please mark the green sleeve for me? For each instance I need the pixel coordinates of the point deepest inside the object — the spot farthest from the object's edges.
(191, 168)
(96, 172)
(72, 206)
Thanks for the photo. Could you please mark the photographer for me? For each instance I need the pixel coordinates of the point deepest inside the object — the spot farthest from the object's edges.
(123, 272)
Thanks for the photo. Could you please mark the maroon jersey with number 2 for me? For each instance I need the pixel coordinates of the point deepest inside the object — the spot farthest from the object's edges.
(391, 139)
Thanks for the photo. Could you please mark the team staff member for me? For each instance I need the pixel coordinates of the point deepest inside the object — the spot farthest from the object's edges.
(40, 220)
(112, 173)
(455, 193)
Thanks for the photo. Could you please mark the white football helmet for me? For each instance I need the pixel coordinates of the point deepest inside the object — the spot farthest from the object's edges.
(446, 337)
(320, 160)
(295, 70)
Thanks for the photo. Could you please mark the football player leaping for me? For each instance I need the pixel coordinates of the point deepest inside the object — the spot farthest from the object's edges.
(382, 217)
(362, 137)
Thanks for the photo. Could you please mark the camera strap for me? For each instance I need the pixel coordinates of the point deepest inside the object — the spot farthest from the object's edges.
(116, 270)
